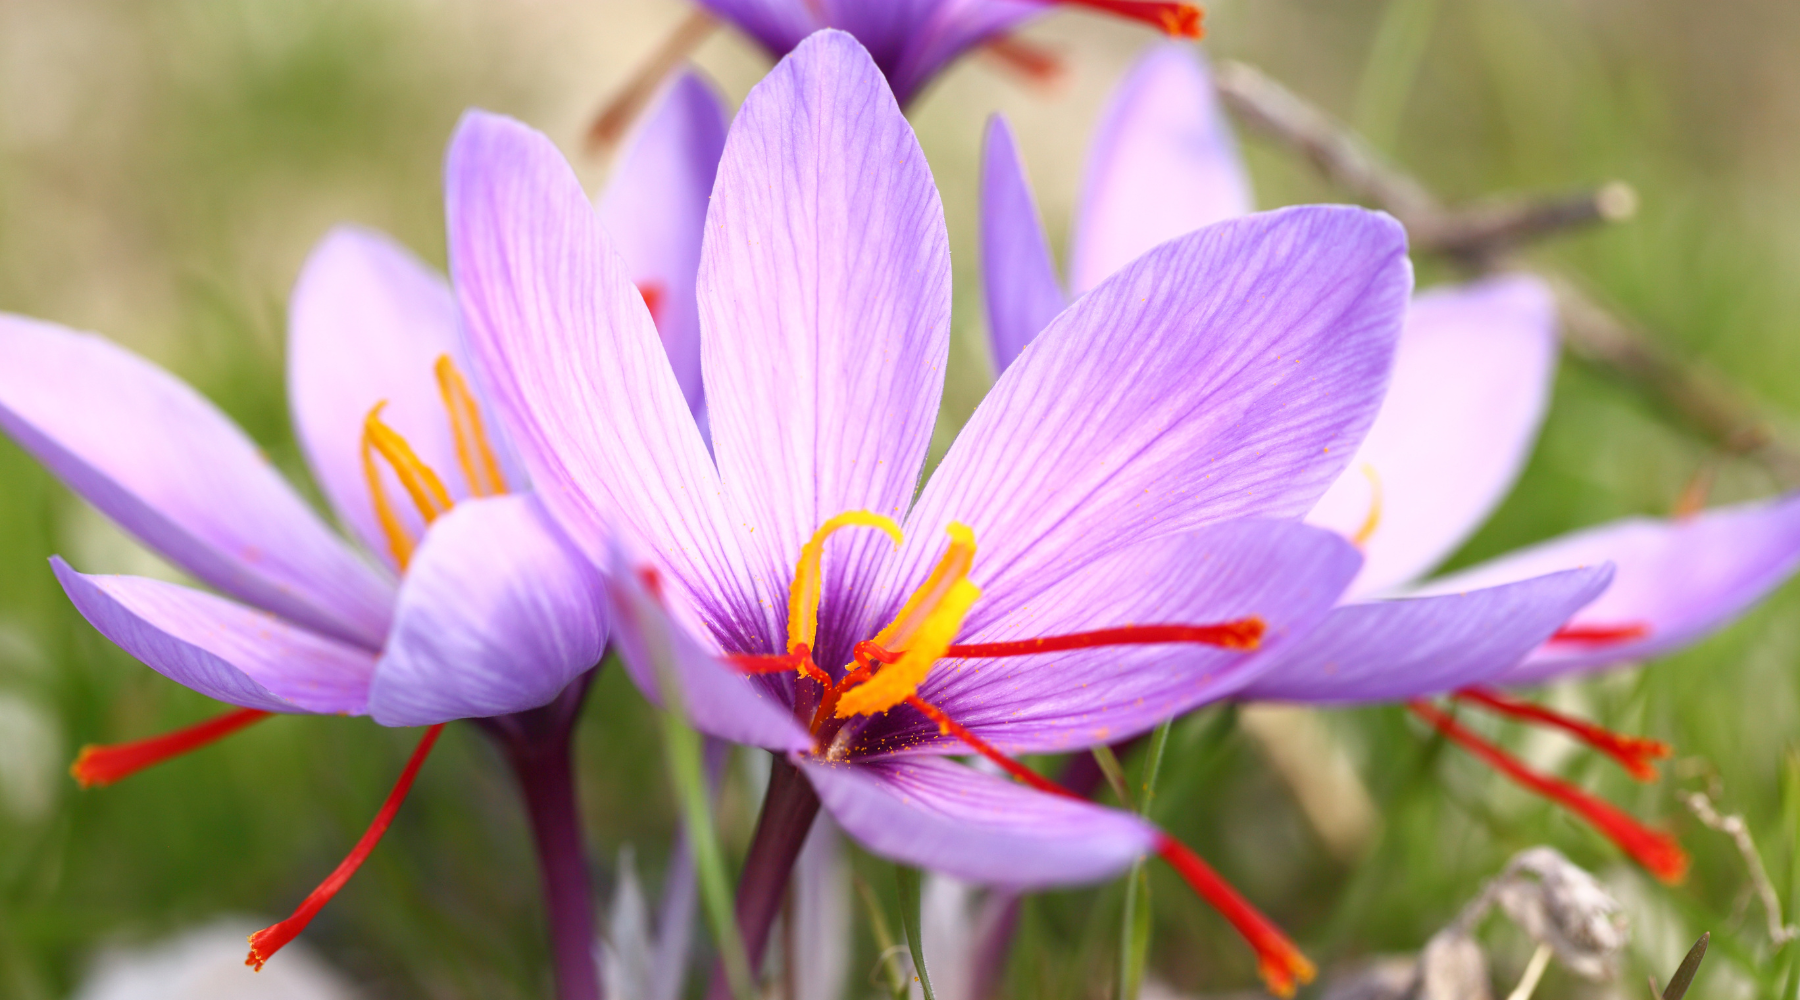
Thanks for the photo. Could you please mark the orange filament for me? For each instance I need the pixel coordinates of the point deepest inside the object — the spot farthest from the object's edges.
(808, 585)
(1179, 20)
(103, 765)
(473, 452)
(1373, 520)
(1601, 635)
(652, 293)
(1244, 633)
(266, 942)
(1634, 753)
(1656, 851)
(1277, 958)
(422, 484)
(1039, 65)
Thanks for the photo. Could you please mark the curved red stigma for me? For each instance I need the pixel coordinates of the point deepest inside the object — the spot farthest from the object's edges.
(1179, 20)
(1039, 65)
(103, 765)
(1242, 634)
(1634, 753)
(652, 294)
(1601, 635)
(266, 942)
(1278, 959)
(1658, 852)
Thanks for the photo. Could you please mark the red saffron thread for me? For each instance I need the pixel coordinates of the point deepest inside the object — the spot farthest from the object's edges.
(1658, 852)
(1634, 753)
(1600, 635)
(1245, 633)
(103, 765)
(1277, 958)
(266, 942)
(1179, 20)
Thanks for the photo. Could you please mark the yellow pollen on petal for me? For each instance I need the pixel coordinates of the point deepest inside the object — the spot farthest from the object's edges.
(900, 680)
(1373, 520)
(473, 451)
(421, 484)
(808, 586)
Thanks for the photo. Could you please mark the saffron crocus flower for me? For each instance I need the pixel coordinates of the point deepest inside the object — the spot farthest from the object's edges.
(1471, 380)
(464, 601)
(913, 40)
(1112, 482)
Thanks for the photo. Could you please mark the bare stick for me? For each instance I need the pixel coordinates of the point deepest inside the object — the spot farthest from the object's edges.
(615, 118)
(1733, 826)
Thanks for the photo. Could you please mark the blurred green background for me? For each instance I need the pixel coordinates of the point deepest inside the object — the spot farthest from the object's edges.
(165, 167)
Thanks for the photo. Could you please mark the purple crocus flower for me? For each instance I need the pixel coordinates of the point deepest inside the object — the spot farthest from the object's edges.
(1145, 461)
(1471, 380)
(913, 40)
(464, 602)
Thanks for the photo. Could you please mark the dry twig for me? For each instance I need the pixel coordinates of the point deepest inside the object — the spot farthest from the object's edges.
(1733, 826)
(615, 118)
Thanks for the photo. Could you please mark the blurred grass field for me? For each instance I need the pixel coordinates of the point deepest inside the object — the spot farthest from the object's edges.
(165, 167)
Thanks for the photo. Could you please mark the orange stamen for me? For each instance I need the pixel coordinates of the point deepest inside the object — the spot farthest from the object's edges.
(1372, 520)
(1245, 633)
(808, 585)
(1277, 958)
(1634, 753)
(103, 765)
(266, 942)
(1658, 852)
(473, 451)
(1179, 20)
(1601, 635)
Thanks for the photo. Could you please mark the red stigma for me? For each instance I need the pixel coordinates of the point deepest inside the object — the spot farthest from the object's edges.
(1035, 63)
(1658, 852)
(103, 765)
(653, 294)
(1279, 961)
(1634, 753)
(1179, 20)
(1600, 635)
(1243, 634)
(266, 942)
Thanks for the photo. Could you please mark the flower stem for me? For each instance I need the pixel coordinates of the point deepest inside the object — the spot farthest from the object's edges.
(787, 815)
(1134, 933)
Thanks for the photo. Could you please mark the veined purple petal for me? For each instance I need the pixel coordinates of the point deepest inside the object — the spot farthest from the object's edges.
(1230, 373)
(367, 324)
(956, 820)
(654, 207)
(1163, 163)
(162, 461)
(825, 297)
(220, 648)
(777, 25)
(1472, 377)
(497, 614)
(1412, 647)
(1018, 275)
(1677, 580)
(574, 361)
(942, 31)
(718, 700)
(1283, 572)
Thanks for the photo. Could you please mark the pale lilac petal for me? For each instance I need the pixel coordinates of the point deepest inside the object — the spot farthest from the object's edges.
(654, 207)
(220, 648)
(574, 362)
(954, 819)
(367, 324)
(776, 25)
(1472, 378)
(1679, 579)
(825, 297)
(1018, 276)
(162, 461)
(1412, 647)
(1228, 374)
(1163, 163)
(1283, 572)
(718, 700)
(497, 614)
(822, 915)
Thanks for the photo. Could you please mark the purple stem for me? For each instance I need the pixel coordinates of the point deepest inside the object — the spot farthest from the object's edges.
(787, 815)
(537, 743)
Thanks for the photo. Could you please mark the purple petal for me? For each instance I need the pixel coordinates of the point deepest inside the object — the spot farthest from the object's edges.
(916, 39)
(1227, 374)
(1413, 647)
(959, 821)
(654, 207)
(155, 456)
(1163, 163)
(1677, 579)
(497, 614)
(576, 366)
(718, 700)
(1283, 572)
(825, 294)
(1018, 274)
(220, 648)
(367, 324)
(776, 25)
(1471, 380)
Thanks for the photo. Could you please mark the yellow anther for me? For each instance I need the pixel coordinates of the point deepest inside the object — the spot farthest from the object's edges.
(901, 679)
(473, 451)
(1373, 521)
(952, 566)
(803, 597)
(422, 484)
